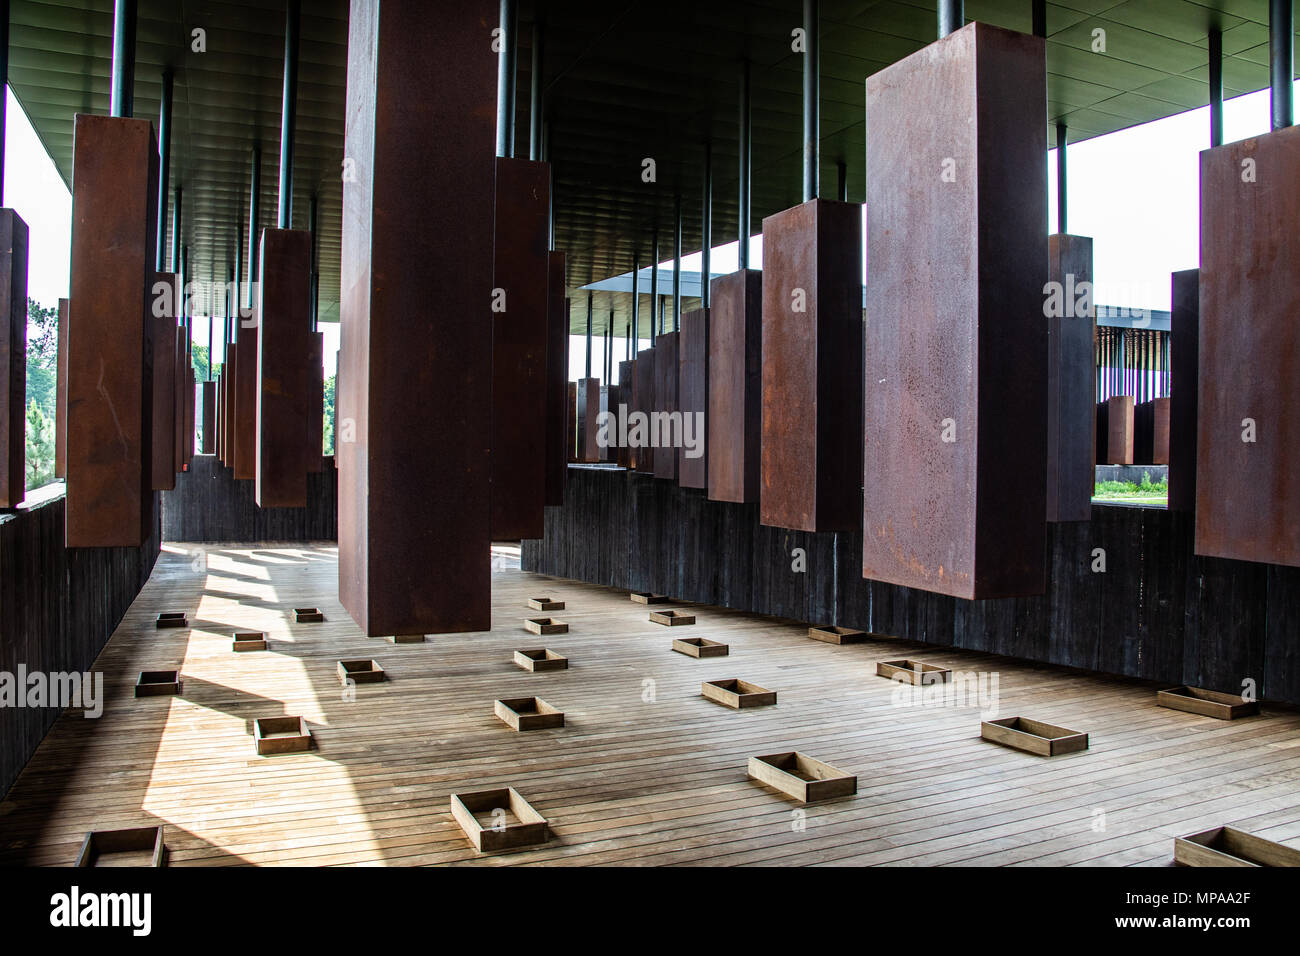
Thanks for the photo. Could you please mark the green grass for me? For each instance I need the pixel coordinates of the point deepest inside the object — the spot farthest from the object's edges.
(1148, 490)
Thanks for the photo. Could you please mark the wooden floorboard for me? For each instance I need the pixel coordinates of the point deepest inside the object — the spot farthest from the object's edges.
(646, 772)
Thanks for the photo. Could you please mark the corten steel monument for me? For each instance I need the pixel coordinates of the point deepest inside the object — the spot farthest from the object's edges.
(13, 358)
(735, 416)
(1071, 380)
(955, 351)
(415, 405)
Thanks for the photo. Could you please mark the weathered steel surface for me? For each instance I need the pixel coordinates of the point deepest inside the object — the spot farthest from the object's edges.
(164, 296)
(1160, 435)
(557, 378)
(735, 419)
(571, 421)
(209, 429)
(110, 332)
(587, 407)
(955, 469)
(179, 381)
(61, 397)
(520, 335)
(1248, 418)
(316, 401)
(221, 414)
(644, 455)
(623, 408)
(1151, 432)
(811, 449)
(693, 397)
(13, 358)
(190, 407)
(666, 418)
(231, 375)
(1119, 430)
(1071, 381)
(1184, 371)
(244, 434)
(414, 480)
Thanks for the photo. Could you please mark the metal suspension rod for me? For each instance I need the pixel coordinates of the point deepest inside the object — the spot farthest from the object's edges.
(288, 115)
(952, 16)
(1281, 60)
(742, 219)
(1216, 88)
(121, 97)
(507, 67)
(164, 164)
(811, 102)
(1062, 179)
(706, 227)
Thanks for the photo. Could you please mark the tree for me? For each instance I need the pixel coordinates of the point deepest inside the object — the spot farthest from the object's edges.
(329, 415)
(40, 447)
(42, 355)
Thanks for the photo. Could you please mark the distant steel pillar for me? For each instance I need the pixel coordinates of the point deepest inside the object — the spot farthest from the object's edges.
(706, 226)
(1062, 177)
(507, 66)
(811, 102)
(742, 217)
(122, 80)
(677, 262)
(288, 115)
(1216, 88)
(164, 162)
(1281, 60)
(952, 16)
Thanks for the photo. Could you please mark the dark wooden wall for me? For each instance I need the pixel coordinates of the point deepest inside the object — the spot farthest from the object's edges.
(58, 607)
(1157, 612)
(210, 505)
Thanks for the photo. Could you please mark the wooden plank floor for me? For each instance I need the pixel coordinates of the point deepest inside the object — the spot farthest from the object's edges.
(645, 772)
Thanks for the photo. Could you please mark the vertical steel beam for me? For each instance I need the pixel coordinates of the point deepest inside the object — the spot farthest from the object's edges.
(1216, 87)
(706, 226)
(121, 100)
(507, 67)
(842, 181)
(735, 409)
(61, 396)
(254, 195)
(176, 230)
(1071, 386)
(654, 287)
(557, 379)
(589, 335)
(677, 262)
(312, 227)
(1062, 179)
(535, 94)
(4, 76)
(13, 358)
(1184, 387)
(951, 15)
(1040, 18)
(1281, 61)
(811, 101)
(743, 149)
(164, 159)
(288, 115)
(636, 297)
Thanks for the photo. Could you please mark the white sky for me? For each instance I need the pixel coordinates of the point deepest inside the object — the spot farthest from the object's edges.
(1135, 192)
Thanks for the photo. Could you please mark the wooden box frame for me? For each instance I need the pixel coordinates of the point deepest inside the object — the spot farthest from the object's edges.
(285, 741)
(100, 842)
(672, 618)
(802, 777)
(308, 615)
(545, 604)
(1207, 703)
(528, 713)
(545, 625)
(158, 684)
(360, 671)
(648, 597)
(531, 830)
(736, 693)
(248, 641)
(405, 638)
(1227, 846)
(917, 673)
(541, 659)
(1033, 736)
(701, 647)
(171, 619)
(834, 634)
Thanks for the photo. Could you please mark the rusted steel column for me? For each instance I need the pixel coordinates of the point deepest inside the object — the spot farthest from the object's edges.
(315, 401)
(955, 465)
(283, 378)
(571, 421)
(626, 398)
(1160, 431)
(735, 418)
(812, 368)
(190, 385)
(1119, 430)
(209, 417)
(1248, 417)
(61, 397)
(520, 336)
(557, 378)
(693, 398)
(644, 455)
(587, 409)
(244, 434)
(164, 306)
(666, 410)
(414, 481)
(1071, 379)
(110, 332)
(13, 358)
(1184, 371)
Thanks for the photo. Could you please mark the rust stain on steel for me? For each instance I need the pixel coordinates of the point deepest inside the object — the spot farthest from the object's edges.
(245, 430)
(165, 292)
(645, 403)
(1160, 436)
(414, 483)
(519, 345)
(209, 426)
(1184, 331)
(316, 402)
(587, 406)
(557, 378)
(666, 405)
(955, 351)
(1071, 384)
(1119, 430)
(284, 355)
(735, 418)
(110, 332)
(1248, 492)
(811, 446)
(13, 358)
(627, 398)
(231, 374)
(571, 421)
(693, 396)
